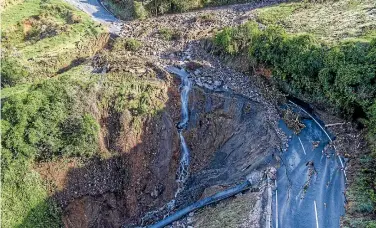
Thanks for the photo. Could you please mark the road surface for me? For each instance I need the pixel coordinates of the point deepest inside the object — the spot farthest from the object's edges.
(310, 181)
(96, 10)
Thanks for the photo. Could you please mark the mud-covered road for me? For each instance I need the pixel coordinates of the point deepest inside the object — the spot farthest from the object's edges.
(310, 181)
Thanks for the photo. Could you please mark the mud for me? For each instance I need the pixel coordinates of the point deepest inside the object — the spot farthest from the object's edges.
(229, 136)
(135, 174)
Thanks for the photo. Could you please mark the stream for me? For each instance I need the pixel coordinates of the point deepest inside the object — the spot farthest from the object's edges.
(185, 87)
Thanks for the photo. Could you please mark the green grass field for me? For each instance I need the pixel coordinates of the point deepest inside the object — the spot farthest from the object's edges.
(39, 38)
(329, 21)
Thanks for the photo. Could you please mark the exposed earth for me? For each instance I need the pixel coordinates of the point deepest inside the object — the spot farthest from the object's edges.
(233, 130)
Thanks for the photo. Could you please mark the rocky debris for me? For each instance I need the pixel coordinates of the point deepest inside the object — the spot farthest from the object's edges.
(271, 173)
(293, 120)
(233, 127)
(311, 173)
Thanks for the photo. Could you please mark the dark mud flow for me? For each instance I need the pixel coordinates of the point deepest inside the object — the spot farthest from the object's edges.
(228, 136)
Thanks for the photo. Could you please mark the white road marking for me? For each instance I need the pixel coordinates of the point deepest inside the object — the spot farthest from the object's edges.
(269, 203)
(302, 145)
(343, 168)
(317, 219)
(276, 208)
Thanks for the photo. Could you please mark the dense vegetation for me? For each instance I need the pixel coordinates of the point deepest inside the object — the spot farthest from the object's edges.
(342, 76)
(46, 122)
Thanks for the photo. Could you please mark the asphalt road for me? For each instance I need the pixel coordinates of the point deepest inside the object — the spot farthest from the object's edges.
(310, 181)
(95, 9)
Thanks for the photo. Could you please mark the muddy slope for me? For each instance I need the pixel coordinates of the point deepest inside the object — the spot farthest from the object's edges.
(229, 136)
(138, 176)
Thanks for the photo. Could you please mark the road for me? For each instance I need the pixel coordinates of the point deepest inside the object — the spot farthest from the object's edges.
(96, 10)
(310, 181)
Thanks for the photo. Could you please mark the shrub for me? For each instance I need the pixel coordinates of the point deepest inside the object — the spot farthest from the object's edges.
(169, 34)
(11, 72)
(73, 18)
(42, 121)
(341, 76)
(132, 44)
(139, 10)
(129, 44)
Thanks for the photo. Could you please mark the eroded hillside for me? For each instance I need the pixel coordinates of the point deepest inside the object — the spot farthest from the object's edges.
(90, 118)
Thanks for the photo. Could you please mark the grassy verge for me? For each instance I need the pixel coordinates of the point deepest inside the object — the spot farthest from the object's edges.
(329, 22)
(325, 64)
(41, 120)
(40, 38)
(44, 122)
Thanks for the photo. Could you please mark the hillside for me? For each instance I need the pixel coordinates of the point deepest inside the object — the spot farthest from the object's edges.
(94, 128)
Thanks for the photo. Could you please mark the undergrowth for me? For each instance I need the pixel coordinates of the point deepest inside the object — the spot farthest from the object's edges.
(40, 124)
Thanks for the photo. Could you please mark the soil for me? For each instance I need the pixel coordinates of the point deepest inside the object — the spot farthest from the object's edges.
(229, 136)
(232, 130)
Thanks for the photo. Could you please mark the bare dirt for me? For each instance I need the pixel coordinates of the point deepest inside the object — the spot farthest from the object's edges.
(229, 135)
(138, 177)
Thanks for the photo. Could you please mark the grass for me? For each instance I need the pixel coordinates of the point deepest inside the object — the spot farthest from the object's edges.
(229, 213)
(41, 108)
(11, 91)
(330, 21)
(73, 35)
(16, 13)
(276, 14)
(25, 201)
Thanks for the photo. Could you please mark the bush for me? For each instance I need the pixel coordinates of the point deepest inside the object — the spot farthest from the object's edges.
(43, 121)
(11, 72)
(341, 76)
(129, 44)
(169, 34)
(139, 11)
(132, 44)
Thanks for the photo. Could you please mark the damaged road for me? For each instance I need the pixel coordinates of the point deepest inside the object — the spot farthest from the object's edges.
(310, 181)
